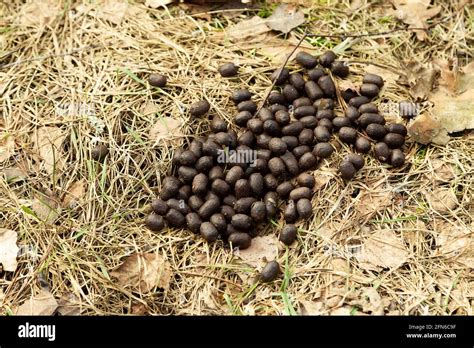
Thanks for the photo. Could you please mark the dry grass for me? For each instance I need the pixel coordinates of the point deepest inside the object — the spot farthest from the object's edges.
(78, 249)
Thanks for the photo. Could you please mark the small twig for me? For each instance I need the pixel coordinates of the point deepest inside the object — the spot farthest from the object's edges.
(49, 56)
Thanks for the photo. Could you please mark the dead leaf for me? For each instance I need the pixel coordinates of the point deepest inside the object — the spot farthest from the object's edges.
(144, 272)
(75, 193)
(442, 169)
(165, 129)
(373, 200)
(426, 129)
(41, 12)
(254, 26)
(48, 142)
(382, 249)
(311, 308)
(69, 305)
(455, 114)
(452, 239)
(442, 199)
(448, 77)
(262, 250)
(421, 78)
(157, 3)
(42, 304)
(149, 108)
(465, 78)
(285, 18)
(7, 147)
(46, 208)
(112, 11)
(14, 174)
(8, 249)
(373, 302)
(415, 13)
(138, 309)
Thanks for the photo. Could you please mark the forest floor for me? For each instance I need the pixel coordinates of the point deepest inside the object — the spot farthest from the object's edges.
(390, 241)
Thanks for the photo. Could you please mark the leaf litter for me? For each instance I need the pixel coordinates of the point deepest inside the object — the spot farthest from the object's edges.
(143, 272)
(8, 249)
(43, 303)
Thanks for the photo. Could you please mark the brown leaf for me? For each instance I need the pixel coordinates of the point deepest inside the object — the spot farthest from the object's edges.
(112, 10)
(285, 18)
(452, 239)
(373, 200)
(262, 250)
(46, 208)
(48, 142)
(455, 114)
(442, 170)
(442, 200)
(138, 309)
(426, 129)
(252, 27)
(415, 13)
(7, 147)
(8, 249)
(144, 272)
(41, 12)
(75, 193)
(421, 78)
(42, 304)
(69, 305)
(382, 249)
(311, 308)
(166, 129)
(448, 78)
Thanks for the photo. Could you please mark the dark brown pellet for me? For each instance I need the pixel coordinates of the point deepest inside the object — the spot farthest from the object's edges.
(284, 189)
(175, 218)
(240, 240)
(313, 90)
(288, 234)
(323, 150)
(209, 232)
(241, 95)
(155, 222)
(157, 80)
(228, 70)
(306, 180)
(199, 108)
(362, 145)
(307, 110)
(270, 272)
(193, 222)
(297, 81)
(327, 85)
(327, 58)
(306, 60)
(372, 78)
(304, 208)
(247, 105)
(280, 76)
